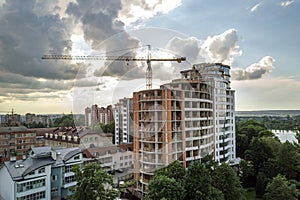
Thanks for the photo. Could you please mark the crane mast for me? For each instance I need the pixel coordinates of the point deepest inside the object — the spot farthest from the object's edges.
(148, 60)
(149, 71)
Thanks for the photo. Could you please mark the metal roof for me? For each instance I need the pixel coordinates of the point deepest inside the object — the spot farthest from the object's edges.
(20, 168)
(42, 156)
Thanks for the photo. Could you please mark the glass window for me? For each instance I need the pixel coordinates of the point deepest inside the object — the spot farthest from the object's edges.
(22, 187)
(54, 178)
(35, 196)
(77, 157)
(54, 189)
(42, 170)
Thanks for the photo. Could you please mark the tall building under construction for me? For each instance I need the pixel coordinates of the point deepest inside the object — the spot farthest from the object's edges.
(184, 120)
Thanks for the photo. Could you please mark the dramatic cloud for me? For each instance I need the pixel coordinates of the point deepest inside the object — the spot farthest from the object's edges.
(189, 47)
(220, 48)
(26, 35)
(254, 8)
(136, 10)
(254, 71)
(286, 3)
(99, 21)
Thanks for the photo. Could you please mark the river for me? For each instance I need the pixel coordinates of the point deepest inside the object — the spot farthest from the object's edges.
(284, 136)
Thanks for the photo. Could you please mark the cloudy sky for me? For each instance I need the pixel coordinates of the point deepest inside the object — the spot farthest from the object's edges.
(259, 39)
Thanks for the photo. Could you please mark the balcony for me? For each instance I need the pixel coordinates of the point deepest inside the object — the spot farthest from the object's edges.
(67, 185)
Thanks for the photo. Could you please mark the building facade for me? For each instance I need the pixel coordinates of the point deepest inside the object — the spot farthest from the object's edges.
(76, 137)
(96, 115)
(184, 120)
(218, 75)
(44, 175)
(37, 119)
(10, 120)
(15, 142)
(123, 114)
(172, 123)
(116, 157)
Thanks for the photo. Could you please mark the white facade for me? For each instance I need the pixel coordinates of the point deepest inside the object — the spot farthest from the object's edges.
(113, 157)
(7, 189)
(123, 121)
(16, 183)
(218, 75)
(32, 178)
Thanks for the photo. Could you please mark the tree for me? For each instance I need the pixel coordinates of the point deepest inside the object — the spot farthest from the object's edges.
(261, 183)
(174, 170)
(280, 188)
(64, 121)
(260, 150)
(245, 132)
(247, 174)
(226, 180)
(105, 128)
(198, 183)
(288, 160)
(209, 162)
(93, 183)
(163, 187)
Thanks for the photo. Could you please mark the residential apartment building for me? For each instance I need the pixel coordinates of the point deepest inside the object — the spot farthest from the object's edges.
(10, 120)
(182, 121)
(96, 115)
(44, 175)
(76, 137)
(15, 142)
(123, 114)
(218, 75)
(32, 118)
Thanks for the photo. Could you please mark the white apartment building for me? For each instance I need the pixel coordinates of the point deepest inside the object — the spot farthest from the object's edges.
(44, 175)
(218, 75)
(123, 114)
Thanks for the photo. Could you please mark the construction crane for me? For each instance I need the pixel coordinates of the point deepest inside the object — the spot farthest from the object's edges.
(148, 60)
(12, 111)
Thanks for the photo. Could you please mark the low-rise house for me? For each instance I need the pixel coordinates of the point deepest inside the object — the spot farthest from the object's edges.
(117, 157)
(44, 175)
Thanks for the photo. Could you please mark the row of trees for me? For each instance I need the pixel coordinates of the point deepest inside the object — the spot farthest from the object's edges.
(275, 122)
(69, 120)
(268, 162)
(201, 180)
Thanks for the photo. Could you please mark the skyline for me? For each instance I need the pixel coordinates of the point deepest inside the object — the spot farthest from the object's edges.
(258, 39)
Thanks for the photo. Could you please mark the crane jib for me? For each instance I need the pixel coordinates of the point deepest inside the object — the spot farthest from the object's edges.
(95, 57)
(148, 59)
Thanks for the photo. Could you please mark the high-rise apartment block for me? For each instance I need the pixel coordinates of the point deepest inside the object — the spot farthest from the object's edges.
(96, 115)
(184, 120)
(123, 113)
(218, 75)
